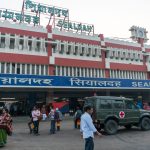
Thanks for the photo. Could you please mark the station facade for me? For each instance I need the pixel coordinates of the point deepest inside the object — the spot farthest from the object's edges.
(69, 60)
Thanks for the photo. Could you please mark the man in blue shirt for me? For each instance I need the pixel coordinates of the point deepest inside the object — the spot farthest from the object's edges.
(87, 128)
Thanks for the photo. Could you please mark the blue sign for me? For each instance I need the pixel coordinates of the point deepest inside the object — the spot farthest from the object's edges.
(13, 80)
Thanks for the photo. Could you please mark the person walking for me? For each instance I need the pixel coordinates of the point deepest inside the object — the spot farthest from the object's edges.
(43, 111)
(77, 118)
(30, 123)
(35, 115)
(5, 126)
(58, 118)
(53, 122)
(87, 128)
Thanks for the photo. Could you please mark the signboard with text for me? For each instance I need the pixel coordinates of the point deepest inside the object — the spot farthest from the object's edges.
(12, 80)
(39, 14)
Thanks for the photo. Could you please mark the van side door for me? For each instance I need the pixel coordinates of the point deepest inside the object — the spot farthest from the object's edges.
(118, 110)
(132, 112)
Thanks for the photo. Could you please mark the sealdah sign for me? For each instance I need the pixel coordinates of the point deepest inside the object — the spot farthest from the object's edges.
(74, 26)
(140, 84)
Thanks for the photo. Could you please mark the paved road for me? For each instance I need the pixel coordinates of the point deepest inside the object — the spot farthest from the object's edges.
(69, 139)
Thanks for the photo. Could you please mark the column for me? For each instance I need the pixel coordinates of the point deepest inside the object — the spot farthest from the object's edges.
(68, 71)
(113, 73)
(44, 70)
(39, 69)
(20, 68)
(7, 41)
(65, 71)
(30, 69)
(35, 70)
(25, 68)
(98, 73)
(25, 43)
(80, 72)
(5, 67)
(33, 44)
(60, 70)
(15, 68)
(16, 42)
(83, 72)
(128, 77)
(0, 67)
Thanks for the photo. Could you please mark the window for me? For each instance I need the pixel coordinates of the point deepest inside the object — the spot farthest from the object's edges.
(89, 52)
(46, 70)
(54, 49)
(71, 71)
(38, 44)
(76, 50)
(96, 72)
(118, 104)
(28, 68)
(13, 68)
(23, 68)
(18, 68)
(2, 45)
(62, 70)
(12, 44)
(78, 71)
(2, 67)
(8, 68)
(46, 47)
(93, 72)
(86, 70)
(62, 49)
(82, 51)
(66, 71)
(105, 104)
(130, 105)
(89, 72)
(21, 44)
(37, 69)
(58, 70)
(69, 49)
(30, 45)
(42, 70)
(33, 69)
(94, 52)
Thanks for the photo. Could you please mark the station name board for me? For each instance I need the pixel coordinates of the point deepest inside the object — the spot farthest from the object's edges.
(12, 80)
(52, 10)
(74, 26)
(6, 14)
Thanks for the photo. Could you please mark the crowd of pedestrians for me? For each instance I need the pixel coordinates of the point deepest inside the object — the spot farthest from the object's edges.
(82, 121)
(37, 115)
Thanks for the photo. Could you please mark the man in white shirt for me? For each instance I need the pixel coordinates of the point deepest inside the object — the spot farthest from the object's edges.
(87, 128)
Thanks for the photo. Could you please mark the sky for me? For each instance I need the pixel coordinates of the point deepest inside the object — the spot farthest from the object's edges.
(113, 18)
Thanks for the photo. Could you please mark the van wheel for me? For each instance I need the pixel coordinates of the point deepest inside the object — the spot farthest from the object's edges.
(129, 126)
(111, 127)
(145, 124)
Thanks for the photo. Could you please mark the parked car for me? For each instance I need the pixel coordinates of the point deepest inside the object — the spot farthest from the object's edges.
(111, 112)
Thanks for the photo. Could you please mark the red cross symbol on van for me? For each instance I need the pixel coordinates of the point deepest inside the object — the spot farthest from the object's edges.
(121, 114)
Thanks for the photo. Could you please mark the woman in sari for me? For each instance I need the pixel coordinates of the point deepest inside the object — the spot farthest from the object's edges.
(5, 126)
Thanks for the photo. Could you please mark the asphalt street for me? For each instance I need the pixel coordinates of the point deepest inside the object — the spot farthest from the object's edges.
(69, 138)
